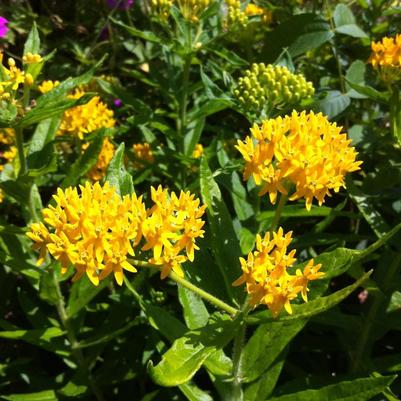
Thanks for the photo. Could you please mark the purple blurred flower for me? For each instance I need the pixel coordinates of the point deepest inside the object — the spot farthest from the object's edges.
(3, 27)
(121, 4)
(118, 102)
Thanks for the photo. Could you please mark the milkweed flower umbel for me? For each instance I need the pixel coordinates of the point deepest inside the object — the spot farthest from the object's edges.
(96, 231)
(265, 273)
(172, 225)
(303, 151)
(86, 118)
(386, 57)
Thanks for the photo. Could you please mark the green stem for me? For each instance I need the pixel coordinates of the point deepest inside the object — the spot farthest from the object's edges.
(75, 347)
(361, 353)
(19, 138)
(204, 294)
(185, 283)
(182, 113)
(239, 340)
(395, 113)
(277, 214)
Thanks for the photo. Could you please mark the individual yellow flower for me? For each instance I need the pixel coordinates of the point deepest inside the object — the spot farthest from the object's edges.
(265, 273)
(98, 171)
(142, 151)
(30, 58)
(172, 225)
(84, 119)
(198, 151)
(47, 86)
(386, 57)
(93, 230)
(304, 151)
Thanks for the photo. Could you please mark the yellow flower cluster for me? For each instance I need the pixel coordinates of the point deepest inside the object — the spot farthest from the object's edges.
(386, 56)
(303, 150)
(252, 10)
(10, 78)
(198, 151)
(84, 119)
(172, 225)
(191, 9)
(271, 85)
(98, 171)
(266, 274)
(47, 86)
(30, 58)
(8, 149)
(96, 230)
(142, 151)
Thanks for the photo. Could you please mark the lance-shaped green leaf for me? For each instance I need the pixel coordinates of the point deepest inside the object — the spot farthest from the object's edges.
(50, 109)
(352, 390)
(47, 395)
(61, 91)
(264, 386)
(194, 393)
(368, 210)
(172, 328)
(117, 175)
(210, 107)
(310, 308)
(32, 44)
(139, 33)
(188, 353)
(265, 345)
(225, 244)
(195, 312)
(345, 22)
(47, 338)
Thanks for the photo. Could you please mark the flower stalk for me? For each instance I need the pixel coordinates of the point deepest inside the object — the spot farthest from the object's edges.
(187, 284)
(75, 346)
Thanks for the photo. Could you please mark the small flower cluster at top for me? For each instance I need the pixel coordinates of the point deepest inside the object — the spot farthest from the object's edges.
(190, 9)
(386, 57)
(301, 150)
(82, 120)
(12, 77)
(265, 273)
(96, 230)
(271, 85)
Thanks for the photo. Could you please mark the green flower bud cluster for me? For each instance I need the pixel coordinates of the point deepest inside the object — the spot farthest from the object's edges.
(236, 17)
(271, 84)
(191, 9)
